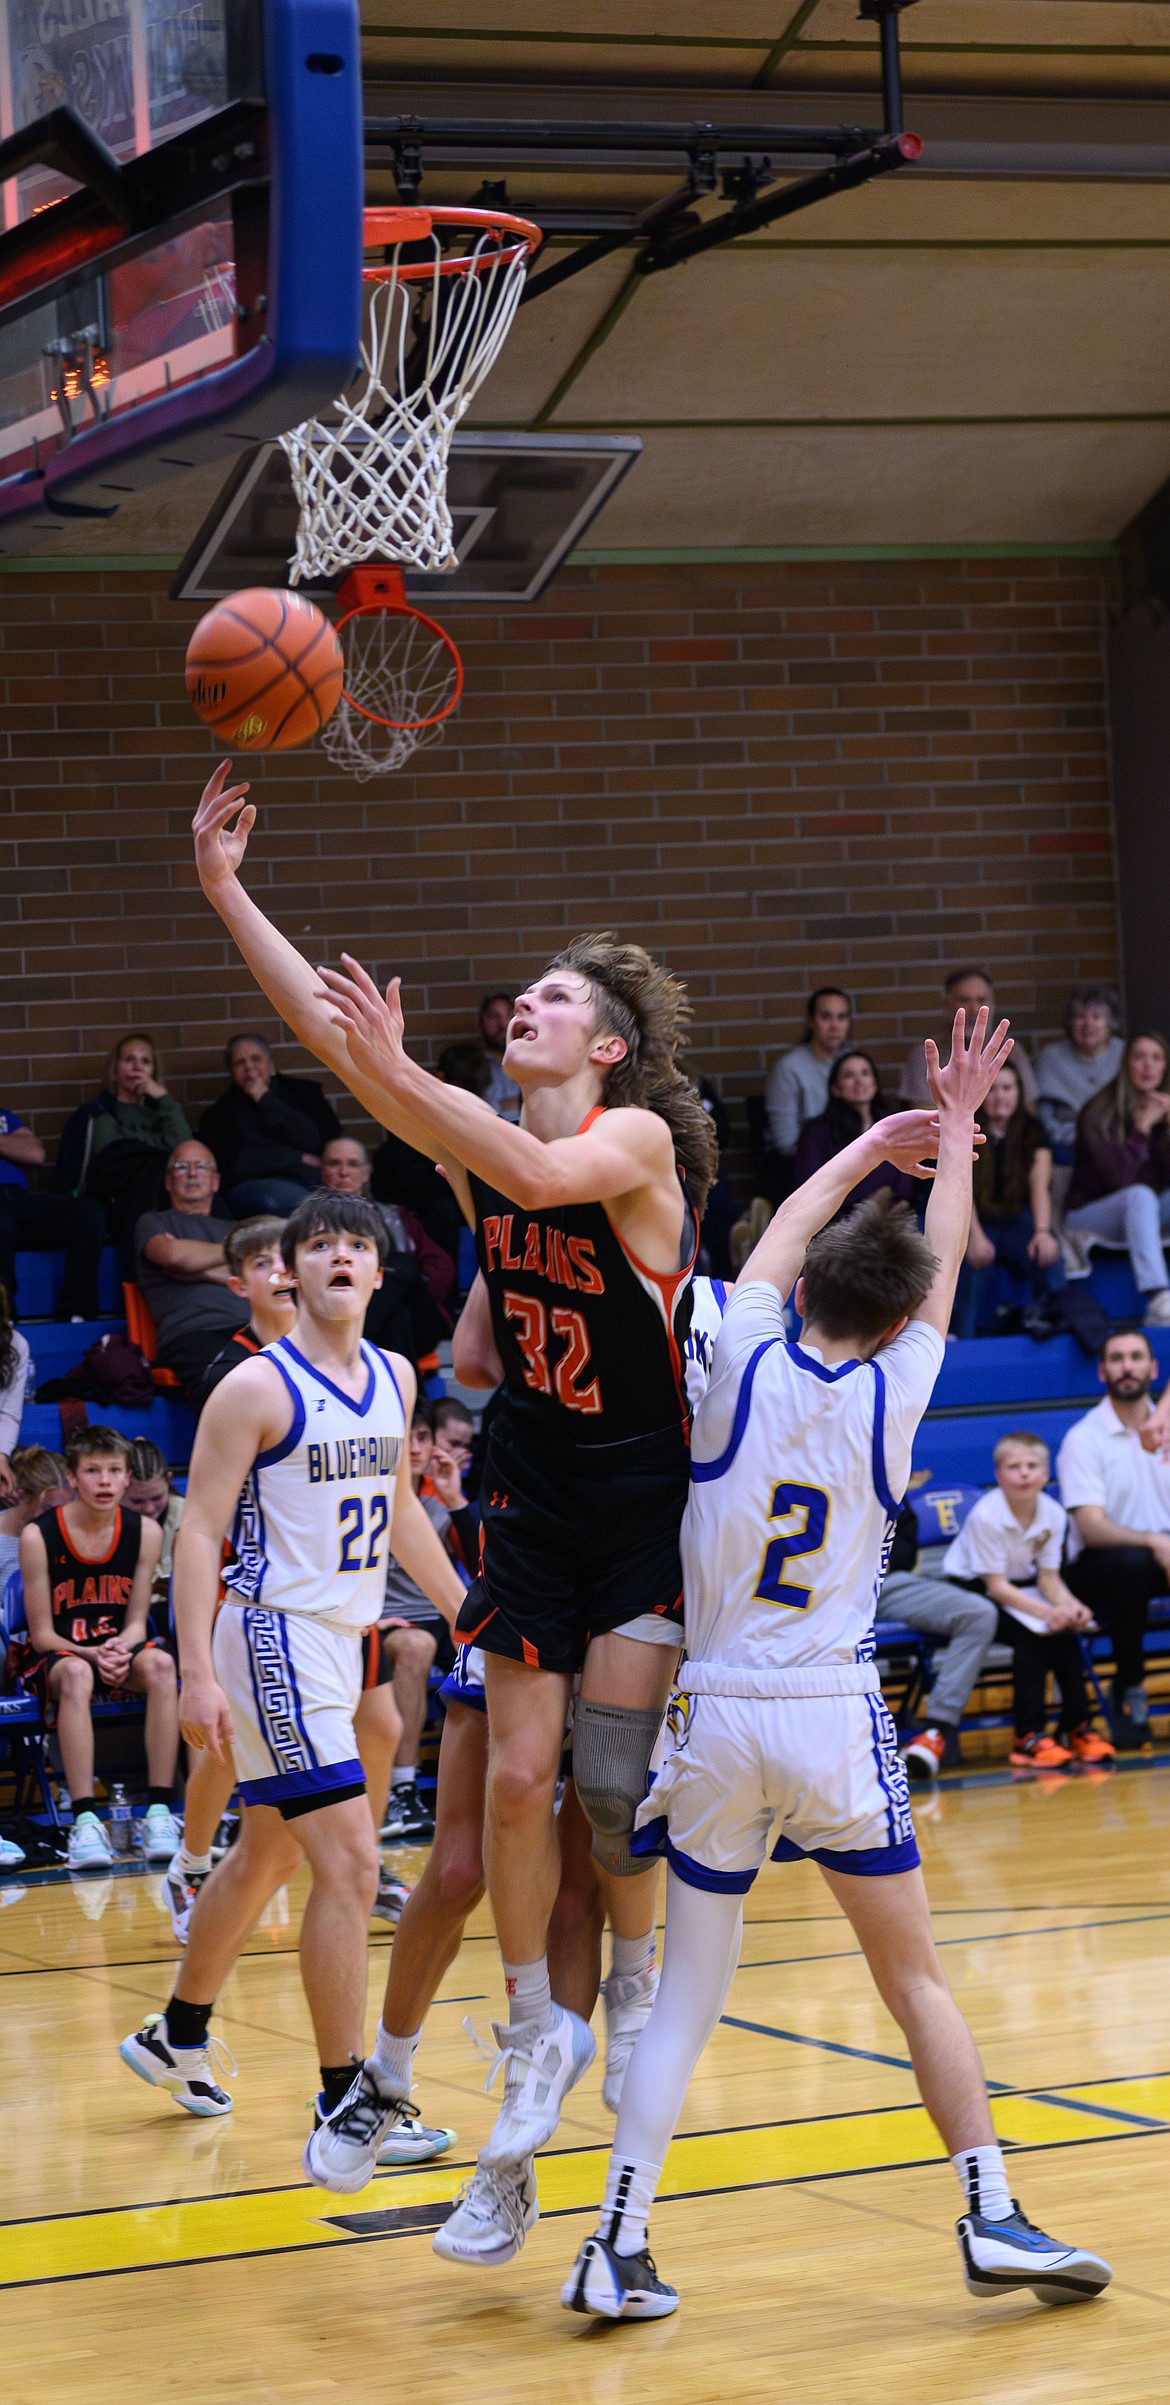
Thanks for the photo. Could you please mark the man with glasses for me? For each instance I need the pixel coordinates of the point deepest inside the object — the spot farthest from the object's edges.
(180, 1267)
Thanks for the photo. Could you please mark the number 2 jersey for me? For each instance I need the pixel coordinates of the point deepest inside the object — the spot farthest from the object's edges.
(797, 1473)
(592, 1342)
(312, 1525)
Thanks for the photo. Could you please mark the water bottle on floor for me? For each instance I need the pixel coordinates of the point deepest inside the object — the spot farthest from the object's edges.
(121, 1820)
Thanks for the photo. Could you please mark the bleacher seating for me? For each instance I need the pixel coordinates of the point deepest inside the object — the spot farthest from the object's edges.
(39, 1275)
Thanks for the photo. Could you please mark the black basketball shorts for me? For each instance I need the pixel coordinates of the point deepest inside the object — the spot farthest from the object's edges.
(576, 1541)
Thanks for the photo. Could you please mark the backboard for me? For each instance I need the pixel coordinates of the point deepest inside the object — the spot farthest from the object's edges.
(180, 235)
(520, 503)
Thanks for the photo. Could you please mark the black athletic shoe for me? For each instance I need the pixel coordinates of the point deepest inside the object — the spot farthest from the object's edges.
(407, 1820)
(1001, 2255)
(617, 2287)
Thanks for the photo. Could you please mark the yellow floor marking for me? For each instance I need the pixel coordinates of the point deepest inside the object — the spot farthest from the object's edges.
(81, 2246)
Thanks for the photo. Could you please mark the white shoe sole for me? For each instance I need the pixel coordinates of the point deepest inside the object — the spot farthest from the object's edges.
(506, 2252)
(600, 2300)
(338, 2183)
(398, 2152)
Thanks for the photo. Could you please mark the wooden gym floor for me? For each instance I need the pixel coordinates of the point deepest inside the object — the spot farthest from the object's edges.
(806, 2218)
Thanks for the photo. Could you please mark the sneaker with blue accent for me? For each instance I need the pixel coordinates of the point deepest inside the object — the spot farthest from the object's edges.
(89, 1847)
(539, 2066)
(186, 2071)
(371, 2127)
(617, 2287)
(490, 2218)
(1001, 2255)
(161, 1834)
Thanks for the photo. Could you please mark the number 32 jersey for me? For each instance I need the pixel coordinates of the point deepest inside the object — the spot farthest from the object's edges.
(312, 1526)
(592, 1342)
(797, 1472)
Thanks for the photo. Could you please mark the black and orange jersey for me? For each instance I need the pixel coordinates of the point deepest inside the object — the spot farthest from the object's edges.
(90, 1599)
(591, 1339)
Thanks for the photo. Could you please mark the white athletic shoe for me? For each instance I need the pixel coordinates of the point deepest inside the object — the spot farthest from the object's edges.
(1001, 2255)
(392, 1897)
(539, 2071)
(11, 1855)
(618, 2287)
(628, 2004)
(491, 2216)
(161, 1834)
(180, 1889)
(368, 2127)
(185, 2070)
(89, 1846)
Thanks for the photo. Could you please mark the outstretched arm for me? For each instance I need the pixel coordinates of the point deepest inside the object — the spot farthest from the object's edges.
(221, 826)
(958, 1091)
(907, 1138)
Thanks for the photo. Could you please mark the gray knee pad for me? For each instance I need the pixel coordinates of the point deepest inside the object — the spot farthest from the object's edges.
(612, 1746)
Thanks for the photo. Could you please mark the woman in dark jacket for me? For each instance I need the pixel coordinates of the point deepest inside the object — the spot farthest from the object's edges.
(1120, 1191)
(1011, 1212)
(855, 1101)
(115, 1149)
(267, 1132)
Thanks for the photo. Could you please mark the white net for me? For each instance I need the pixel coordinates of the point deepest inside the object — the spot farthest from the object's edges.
(373, 484)
(398, 666)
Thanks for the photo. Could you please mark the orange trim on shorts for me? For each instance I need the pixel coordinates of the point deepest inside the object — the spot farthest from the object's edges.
(531, 1656)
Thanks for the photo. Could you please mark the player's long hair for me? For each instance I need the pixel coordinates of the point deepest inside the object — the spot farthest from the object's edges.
(640, 1001)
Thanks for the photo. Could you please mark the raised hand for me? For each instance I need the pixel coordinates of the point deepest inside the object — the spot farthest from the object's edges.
(375, 1030)
(909, 1139)
(973, 1067)
(220, 847)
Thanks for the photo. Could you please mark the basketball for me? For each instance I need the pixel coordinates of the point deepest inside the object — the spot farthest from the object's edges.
(265, 670)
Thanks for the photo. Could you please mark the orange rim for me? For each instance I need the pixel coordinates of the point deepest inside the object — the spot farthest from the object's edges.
(516, 238)
(391, 602)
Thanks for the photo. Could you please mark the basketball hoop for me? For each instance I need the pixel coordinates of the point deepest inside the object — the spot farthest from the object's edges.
(373, 485)
(403, 677)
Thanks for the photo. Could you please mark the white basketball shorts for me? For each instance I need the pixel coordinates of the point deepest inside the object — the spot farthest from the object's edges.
(293, 1680)
(826, 1768)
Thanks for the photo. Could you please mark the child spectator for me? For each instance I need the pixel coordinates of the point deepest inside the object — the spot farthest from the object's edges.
(798, 1083)
(256, 1275)
(150, 1492)
(1120, 1191)
(42, 1222)
(412, 1630)
(87, 1570)
(115, 1148)
(1072, 1071)
(14, 1359)
(455, 1432)
(1010, 1547)
(854, 1102)
(1011, 1211)
(267, 1131)
(40, 1483)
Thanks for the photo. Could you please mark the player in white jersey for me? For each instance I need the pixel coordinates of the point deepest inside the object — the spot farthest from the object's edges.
(800, 1457)
(497, 2209)
(302, 1454)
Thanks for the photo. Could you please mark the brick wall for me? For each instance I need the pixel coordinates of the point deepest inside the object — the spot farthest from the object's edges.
(772, 774)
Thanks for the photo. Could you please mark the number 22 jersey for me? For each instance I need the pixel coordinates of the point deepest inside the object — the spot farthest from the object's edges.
(798, 1470)
(312, 1525)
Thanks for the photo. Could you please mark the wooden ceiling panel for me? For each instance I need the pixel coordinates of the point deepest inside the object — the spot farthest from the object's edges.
(902, 486)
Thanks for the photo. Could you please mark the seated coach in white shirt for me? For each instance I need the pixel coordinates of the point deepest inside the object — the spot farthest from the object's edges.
(1117, 1496)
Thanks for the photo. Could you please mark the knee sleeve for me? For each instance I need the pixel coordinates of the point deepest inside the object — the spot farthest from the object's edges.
(612, 1746)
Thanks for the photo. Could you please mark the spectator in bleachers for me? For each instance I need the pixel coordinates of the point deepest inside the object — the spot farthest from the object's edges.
(501, 1091)
(42, 1223)
(267, 1131)
(87, 1570)
(455, 1432)
(114, 1149)
(1118, 1499)
(413, 1633)
(1120, 1191)
(150, 1491)
(1010, 1545)
(40, 1482)
(968, 989)
(180, 1266)
(935, 1607)
(855, 1101)
(14, 1358)
(1072, 1071)
(255, 1267)
(798, 1082)
(1011, 1210)
(346, 1166)
(401, 1175)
